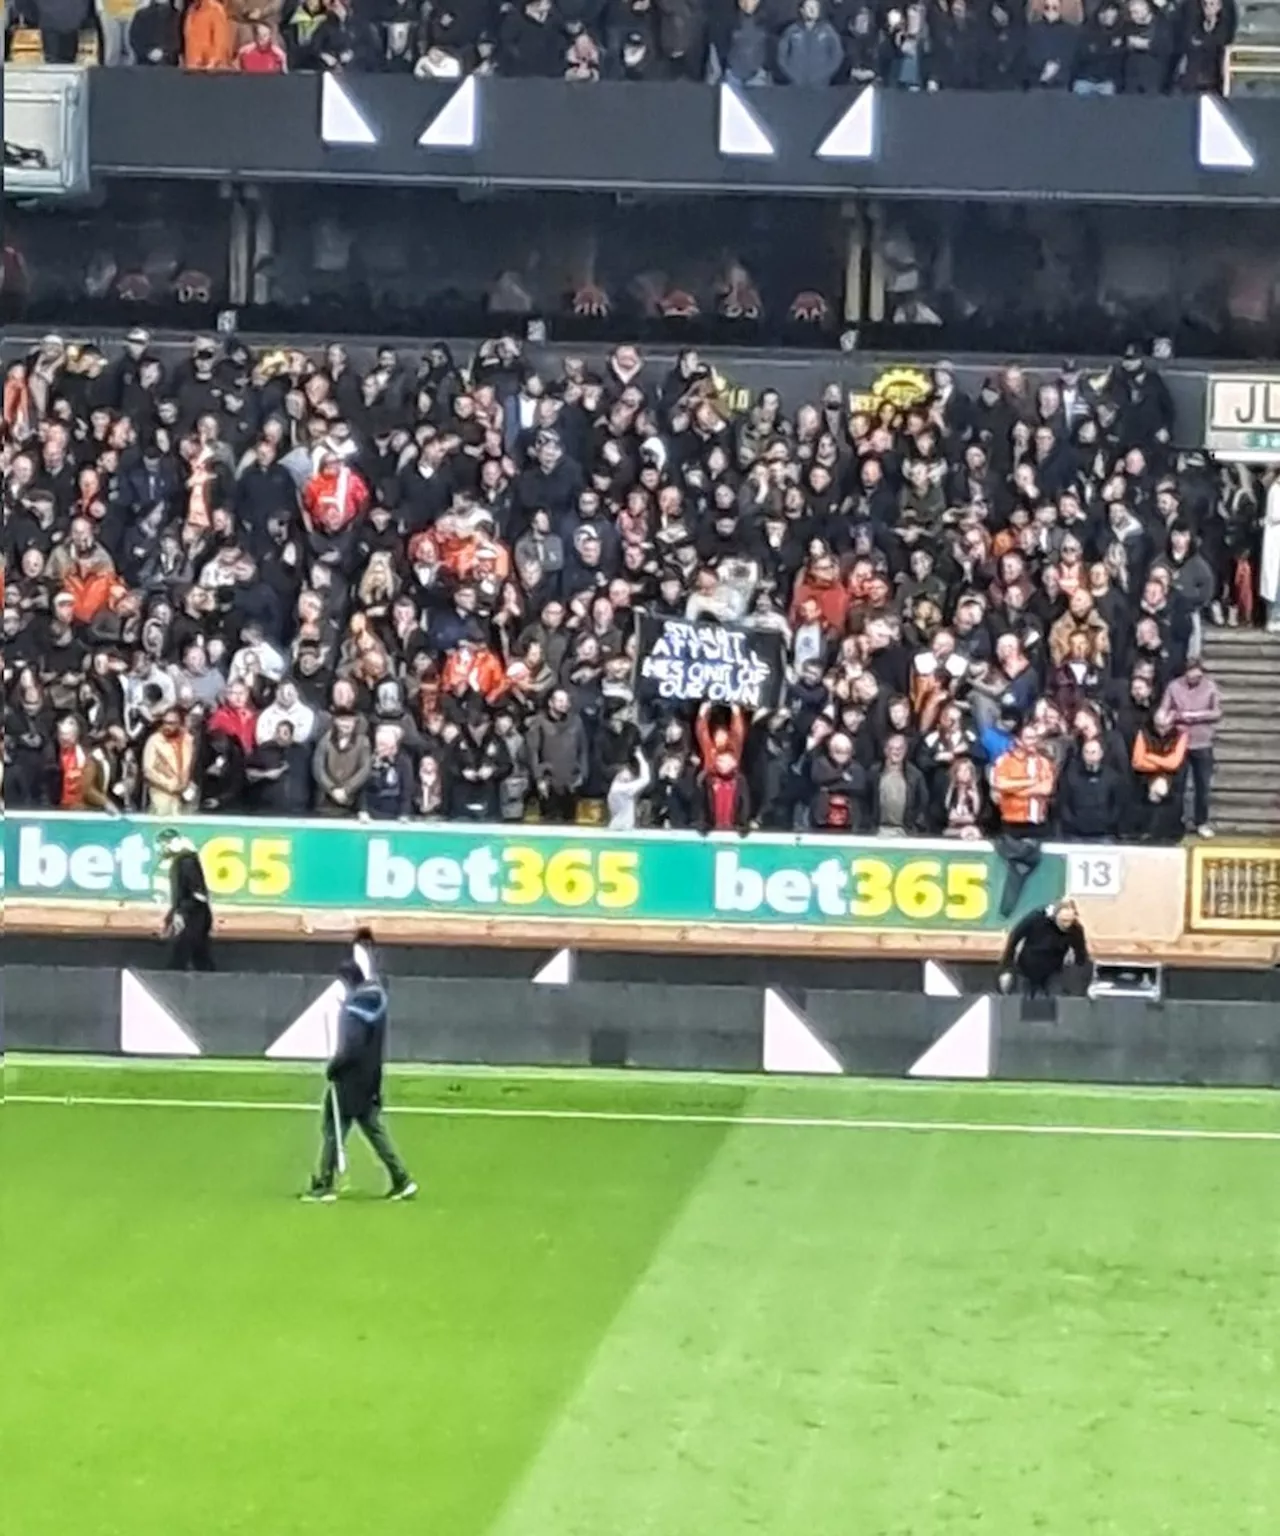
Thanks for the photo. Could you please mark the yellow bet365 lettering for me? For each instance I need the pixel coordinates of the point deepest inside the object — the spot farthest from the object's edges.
(619, 886)
(571, 877)
(222, 859)
(270, 871)
(872, 888)
(917, 889)
(259, 866)
(524, 876)
(968, 900)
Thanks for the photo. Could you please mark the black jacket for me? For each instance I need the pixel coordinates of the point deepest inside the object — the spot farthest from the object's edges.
(187, 888)
(156, 28)
(356, 1067)
(280, 779)
(388, 791)
(840, 801)
(1091, 805)
(1038, 948)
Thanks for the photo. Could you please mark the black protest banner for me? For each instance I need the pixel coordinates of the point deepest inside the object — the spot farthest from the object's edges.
(695, 660)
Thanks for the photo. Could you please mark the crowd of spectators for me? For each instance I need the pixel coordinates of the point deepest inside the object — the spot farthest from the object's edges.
(278, 584)
(1089, 46)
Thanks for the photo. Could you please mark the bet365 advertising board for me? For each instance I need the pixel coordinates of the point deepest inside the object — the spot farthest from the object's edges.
(527, 871)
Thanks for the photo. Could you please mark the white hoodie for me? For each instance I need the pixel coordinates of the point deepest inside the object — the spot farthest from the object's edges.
(626, 789)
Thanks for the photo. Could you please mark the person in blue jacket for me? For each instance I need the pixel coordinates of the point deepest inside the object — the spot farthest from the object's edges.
(356, 1075)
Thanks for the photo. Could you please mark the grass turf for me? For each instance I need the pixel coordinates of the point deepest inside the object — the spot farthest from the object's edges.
(590, 1327)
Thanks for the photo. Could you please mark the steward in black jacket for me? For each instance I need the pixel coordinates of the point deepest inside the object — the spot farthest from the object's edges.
(1040, 945)
(189, 920)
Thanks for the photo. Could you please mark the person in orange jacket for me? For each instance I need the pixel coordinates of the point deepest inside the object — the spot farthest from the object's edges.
(92, 591)
(474, 668)
(1022, 782)
(1160, 763)
(207, 37)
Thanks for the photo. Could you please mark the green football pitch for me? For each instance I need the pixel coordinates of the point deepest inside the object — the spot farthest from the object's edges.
(637, 1306)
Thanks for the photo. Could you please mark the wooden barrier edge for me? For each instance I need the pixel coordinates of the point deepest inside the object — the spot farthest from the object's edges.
(290, 924)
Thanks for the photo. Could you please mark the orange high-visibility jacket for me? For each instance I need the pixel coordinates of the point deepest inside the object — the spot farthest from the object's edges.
(1023, 785)
(206, 36)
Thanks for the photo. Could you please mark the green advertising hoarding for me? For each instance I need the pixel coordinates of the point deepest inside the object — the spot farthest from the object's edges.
(526, 871)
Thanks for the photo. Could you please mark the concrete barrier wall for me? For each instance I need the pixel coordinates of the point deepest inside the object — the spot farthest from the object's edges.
(653, 1024)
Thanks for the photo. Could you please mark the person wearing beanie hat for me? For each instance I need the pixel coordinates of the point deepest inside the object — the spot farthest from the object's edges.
(188, 924)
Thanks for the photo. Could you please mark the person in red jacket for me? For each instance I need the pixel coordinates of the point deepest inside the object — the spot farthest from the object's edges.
(334, 496)
(820, 580)
(264, 55)
(236, 716)
(726, 803)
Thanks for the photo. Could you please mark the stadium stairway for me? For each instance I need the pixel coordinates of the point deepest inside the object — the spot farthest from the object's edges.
(1246, 785)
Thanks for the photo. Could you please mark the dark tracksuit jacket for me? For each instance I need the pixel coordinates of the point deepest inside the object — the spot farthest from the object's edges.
(356, 1074)
(356, 1068)
(189, 900)
(1038, 949)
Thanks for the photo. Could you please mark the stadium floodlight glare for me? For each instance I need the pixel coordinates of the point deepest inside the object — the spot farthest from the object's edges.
(854, 136)
(455, 125)
(742, 134)
(1220, 146)
(341, 121)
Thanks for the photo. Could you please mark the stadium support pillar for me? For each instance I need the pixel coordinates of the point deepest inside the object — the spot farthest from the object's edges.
(855, 261)
(238, 252)
(264, 245)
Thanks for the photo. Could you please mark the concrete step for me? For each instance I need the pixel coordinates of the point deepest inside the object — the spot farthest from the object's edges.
(1243, 667)
(1239, 781)
(1255, 735)
(1241, 826)
(1248, 759)
(1252, 737)
(1267, 681)
(1237, 637)
(1243, 703)
(1237, 805)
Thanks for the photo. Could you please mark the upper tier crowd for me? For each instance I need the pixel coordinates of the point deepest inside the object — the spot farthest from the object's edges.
(1089, 46)
(283, 584)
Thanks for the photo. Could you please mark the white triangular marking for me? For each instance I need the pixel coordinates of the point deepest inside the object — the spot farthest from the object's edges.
(454, 125)
(965, 1049)
(789, 1043)
(1221, 148)
(558, 971)
(312, 1034)
(340, 119)
(854, 136)
(741, 131)
(939, 982)
(360, 954)
(147, 1028)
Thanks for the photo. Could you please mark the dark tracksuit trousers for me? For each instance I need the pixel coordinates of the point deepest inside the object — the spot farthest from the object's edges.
(375, 1133)
(356, 1074)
